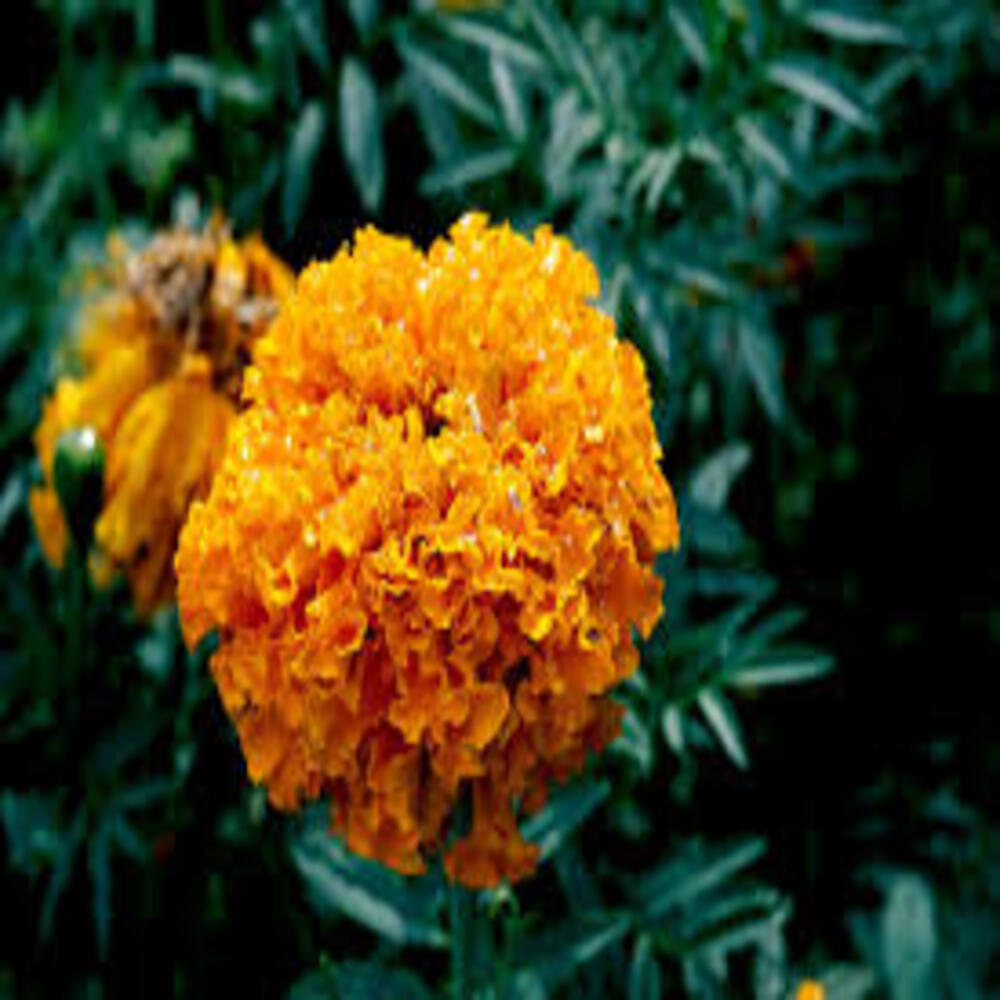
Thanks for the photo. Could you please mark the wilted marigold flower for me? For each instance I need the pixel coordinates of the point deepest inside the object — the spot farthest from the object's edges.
(430, 542)
(161, 354)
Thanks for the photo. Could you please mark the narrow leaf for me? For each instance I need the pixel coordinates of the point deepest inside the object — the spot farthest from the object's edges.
(819, 85)
(495, 41)
(361, 132)
(762, 358)
(553, 956)
(446, 82)
(780, 672)
(686, 878)
(909, 937)
(764, 145)
(713, 479)
(365, 892)
(644, 973)
(565, 49)
(566, 810)
(99, 862)
(662, 173)
(704, 280)
(474, 169)
(509, 97)
(307, 138)
(61, 873)
(364, 14)
(673, 728)
(722, 719)
(309, 22)
(370, 981)
(858, 27)
(690, 34)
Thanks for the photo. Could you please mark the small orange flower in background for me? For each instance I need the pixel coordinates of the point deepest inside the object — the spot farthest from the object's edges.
(431, 541)
(810, 989)
(161, 353)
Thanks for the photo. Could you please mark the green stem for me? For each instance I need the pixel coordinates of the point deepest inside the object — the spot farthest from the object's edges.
(76, 630)
(461, 912)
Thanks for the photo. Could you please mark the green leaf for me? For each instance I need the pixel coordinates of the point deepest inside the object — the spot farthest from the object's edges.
(309, 22)
(742, 931)
(62, 871)
(551, 957)
(145, 793)
(156, 651)
(909, 939)
(690, 32)
(127, 839)
(713, 479)
(717, 160)
(565, 49)
(704, 280)
(714, 533)
(359, 981)
(634, 741)
(856, 26)
(723, 721)
(446, 82)
(655, 172)
(821, 86)
(891, 78)
(777, 672)
(306, 140)
(497, 42)
(364, 14)
(573, 130)
(233, 86)
(848, 982)
(13, 328)
(763, 143)
(144, 13)
(771, 628)
(697, 871)
(366, 892)
(731, 917)
(438, 122)
(567, 809)
(672, 723)
(644, 973)
(361, 132)
(508, 93)
(99, 863)
(130, 737)
(12, 499)
(762, 358)
(31, 827)
(473, 169)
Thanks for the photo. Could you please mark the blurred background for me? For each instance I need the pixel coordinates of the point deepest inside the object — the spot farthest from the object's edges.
(794, 208)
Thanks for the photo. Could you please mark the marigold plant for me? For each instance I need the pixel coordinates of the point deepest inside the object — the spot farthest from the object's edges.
(161, 355)
(431, 541)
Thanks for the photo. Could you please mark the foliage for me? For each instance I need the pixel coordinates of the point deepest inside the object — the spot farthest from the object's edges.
(745, 173)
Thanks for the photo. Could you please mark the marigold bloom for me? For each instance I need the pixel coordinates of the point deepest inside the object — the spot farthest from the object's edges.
(810, 989)
(161, 352)
(430, 542)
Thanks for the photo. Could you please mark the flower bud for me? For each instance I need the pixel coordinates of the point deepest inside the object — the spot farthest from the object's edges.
(78, 476)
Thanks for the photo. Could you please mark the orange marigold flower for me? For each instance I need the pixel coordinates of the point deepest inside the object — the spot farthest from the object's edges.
(430, 542)
(161, 352)
(810, 989)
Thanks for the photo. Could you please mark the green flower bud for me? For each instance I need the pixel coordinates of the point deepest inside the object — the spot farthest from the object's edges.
(78, 476)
